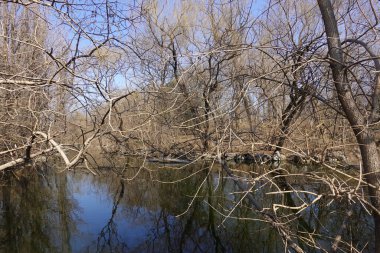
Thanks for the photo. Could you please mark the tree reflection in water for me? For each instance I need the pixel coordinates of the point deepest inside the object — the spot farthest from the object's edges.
(37, 212)
(76, 212)
(108, 238)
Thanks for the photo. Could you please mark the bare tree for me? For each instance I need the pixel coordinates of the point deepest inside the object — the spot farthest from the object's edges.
(201, 79)
(361, 124)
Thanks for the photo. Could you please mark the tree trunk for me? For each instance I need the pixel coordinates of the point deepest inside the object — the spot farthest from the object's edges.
(364, 135)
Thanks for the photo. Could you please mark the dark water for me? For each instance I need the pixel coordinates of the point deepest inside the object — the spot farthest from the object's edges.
(45, 211)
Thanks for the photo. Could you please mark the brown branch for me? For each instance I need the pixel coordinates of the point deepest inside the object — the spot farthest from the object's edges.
(282, 229)
(375, 113)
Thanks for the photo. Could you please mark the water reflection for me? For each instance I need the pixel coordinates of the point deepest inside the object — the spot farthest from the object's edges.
(43, 211)
(37, 214)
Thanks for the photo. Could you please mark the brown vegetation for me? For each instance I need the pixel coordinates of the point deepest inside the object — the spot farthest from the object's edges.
(194, 79)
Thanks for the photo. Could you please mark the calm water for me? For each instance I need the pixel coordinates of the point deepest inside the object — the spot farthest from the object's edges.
(45, 211)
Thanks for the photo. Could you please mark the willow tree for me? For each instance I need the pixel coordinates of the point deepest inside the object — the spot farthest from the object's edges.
(24, 69)
(52, 76)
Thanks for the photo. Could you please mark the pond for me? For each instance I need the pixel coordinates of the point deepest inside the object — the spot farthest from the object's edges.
(155, 209)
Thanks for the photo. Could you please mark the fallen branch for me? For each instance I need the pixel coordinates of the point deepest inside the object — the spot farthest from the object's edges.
(76, 159)
(55, 145)
(269, 217)
(23, 160)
